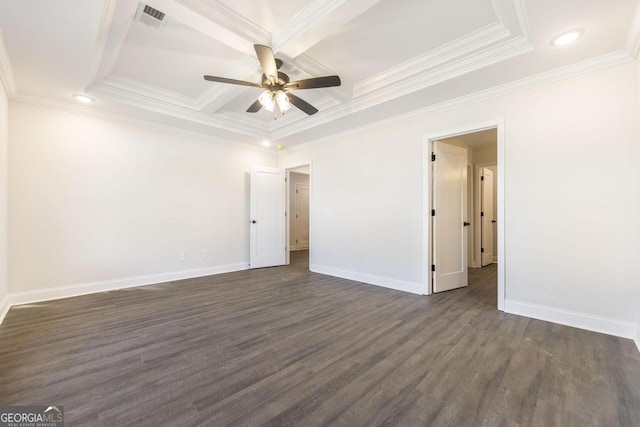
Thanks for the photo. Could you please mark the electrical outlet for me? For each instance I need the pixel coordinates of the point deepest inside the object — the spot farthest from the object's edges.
(181, 255)
(205, 253)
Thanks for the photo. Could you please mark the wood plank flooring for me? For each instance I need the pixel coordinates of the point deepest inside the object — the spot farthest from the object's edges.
(282, 346)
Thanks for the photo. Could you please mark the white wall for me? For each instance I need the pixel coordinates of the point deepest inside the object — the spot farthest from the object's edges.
(4, 116)
(572, 192)
(91, 200)
(485, 155)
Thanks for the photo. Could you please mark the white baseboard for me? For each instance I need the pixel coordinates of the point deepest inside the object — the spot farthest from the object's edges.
(605, 325)
(110, 285)
(386, 282)
(4, 307)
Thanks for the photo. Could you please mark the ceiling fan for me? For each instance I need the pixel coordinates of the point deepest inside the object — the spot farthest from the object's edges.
(277, 86)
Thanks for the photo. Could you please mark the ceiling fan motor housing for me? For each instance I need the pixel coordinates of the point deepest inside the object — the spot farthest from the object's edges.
(283, 79)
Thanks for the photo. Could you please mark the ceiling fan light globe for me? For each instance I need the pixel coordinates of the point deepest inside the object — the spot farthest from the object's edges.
(283, 101)
(267, 101)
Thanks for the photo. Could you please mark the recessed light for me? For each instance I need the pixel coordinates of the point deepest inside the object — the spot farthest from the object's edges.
(83, 98)
(266, 143)
(567, 38)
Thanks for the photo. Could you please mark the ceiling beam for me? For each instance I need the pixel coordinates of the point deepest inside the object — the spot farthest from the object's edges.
(316, 21)
(218, 22)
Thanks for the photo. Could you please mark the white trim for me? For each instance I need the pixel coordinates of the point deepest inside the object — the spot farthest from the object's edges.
(104, 29)
(5, 305)
(344, 92)
(232, 123)
(605, 325)
(498, 124)
(632, 45)
(371, 279)
(132, 121)
(430, 61)
(6, 76)
(609, 60)
(122, 283)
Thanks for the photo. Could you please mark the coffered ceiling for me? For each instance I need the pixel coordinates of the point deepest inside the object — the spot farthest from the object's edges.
(394, 57)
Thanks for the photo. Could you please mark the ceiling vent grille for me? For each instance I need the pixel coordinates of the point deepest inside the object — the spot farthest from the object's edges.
(154, 13)
(150, 16)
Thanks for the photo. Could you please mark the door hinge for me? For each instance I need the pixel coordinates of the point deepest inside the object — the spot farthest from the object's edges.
(433, 157)
(482, 178)
(296, 216)
(296, 191)
(285, 214)
(481, 250)
(433, 212)
(481, 213)
(433, 267)
(296, 240)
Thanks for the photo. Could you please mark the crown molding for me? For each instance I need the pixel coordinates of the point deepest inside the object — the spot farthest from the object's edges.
(124, 119)
(128, 84)
(523, 19)
(216, 21)
(111, 37)
(314, 16)
(302, 20)
(344, 92)
(462, 46)
(104, 29)
(242, 126)
(219, 94)
(423, 80)
(632, 45)
(577, 69)
(6, 75)
(229, 19)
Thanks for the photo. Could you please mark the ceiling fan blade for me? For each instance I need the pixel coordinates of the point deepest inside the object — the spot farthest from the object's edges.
(267, 62)
(315, 83)
(302, 104)
(255, 107)
(231, 81)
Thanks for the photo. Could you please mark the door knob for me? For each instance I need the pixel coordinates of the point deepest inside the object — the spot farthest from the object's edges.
(466, 224)
(493, 221)
(253, 221)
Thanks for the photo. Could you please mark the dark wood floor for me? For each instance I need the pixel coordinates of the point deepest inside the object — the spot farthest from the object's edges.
(282, 346)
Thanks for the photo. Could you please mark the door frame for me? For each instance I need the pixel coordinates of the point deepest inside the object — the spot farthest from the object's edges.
(287, 170)
(427, 168)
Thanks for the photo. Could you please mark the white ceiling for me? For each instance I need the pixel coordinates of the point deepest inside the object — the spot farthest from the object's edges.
(394, 57)
(476, 140)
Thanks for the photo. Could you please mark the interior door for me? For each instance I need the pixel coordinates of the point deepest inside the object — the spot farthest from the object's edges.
(302, 216)
(267, 217)
(449, 217)
(486, 215)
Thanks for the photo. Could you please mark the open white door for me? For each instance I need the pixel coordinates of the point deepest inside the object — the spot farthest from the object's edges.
(302, 216)
(449, 217)
(486, 215)
(267, 211)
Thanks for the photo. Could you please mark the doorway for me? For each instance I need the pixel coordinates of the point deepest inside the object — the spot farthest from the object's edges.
(298, 212)
(463, 245)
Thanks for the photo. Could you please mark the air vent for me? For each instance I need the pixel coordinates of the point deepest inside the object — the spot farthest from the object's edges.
(150, 16)
(154, 13)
